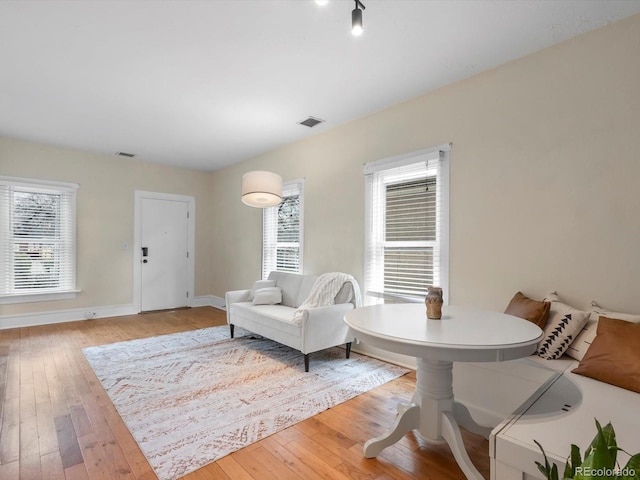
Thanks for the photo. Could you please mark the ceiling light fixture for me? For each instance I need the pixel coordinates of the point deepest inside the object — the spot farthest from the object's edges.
(356, 19)
(322, 3)
(261, 189)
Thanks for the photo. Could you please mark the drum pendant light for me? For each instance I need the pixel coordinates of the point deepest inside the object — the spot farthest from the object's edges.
(261, 189)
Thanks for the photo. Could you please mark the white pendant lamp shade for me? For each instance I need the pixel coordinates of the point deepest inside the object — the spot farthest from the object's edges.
(261, 189)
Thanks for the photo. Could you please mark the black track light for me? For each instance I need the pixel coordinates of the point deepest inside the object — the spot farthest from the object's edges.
(356, 18)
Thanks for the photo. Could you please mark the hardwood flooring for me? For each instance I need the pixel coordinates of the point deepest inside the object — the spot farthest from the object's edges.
(57, 423)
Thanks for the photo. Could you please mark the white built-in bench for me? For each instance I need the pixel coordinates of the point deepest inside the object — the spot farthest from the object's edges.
(536, 399)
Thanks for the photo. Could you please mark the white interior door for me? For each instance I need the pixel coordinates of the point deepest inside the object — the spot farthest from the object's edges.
(164, 242)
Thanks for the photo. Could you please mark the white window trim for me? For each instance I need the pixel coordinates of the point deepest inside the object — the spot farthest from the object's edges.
(46, 186)
(371, 297)
(37, 297)
(404, 159)
(293, 184)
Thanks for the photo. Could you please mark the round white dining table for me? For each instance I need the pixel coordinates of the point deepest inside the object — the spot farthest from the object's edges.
(461, 335)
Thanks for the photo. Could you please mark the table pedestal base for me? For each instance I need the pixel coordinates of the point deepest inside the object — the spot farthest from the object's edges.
(432, 412)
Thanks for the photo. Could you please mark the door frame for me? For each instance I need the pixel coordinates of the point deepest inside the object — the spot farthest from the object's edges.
(137, 242)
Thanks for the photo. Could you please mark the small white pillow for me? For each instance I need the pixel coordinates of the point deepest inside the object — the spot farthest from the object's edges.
(563, 325)
(552, 297)
(596, 310)
(583, 340)
(261, 284)
(267, 296)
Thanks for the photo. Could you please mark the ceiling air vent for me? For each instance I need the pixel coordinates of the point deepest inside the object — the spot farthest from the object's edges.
(125, 154)
(311, 122)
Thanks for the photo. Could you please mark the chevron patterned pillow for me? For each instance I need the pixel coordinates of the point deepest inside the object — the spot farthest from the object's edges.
(563, 325)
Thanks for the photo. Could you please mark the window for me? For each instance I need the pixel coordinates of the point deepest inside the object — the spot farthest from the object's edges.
(407, 226)
(282, 228)
(37, 240)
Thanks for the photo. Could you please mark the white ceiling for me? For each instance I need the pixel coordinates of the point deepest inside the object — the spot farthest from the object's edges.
(204, 84)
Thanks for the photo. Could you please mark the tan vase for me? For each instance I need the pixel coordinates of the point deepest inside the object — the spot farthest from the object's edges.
(433, 301)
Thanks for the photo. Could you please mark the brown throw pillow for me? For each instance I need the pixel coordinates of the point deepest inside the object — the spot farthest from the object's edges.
(614, 355)
(532, 310)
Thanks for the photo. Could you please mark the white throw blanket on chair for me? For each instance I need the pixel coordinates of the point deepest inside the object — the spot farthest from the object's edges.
(324, 291)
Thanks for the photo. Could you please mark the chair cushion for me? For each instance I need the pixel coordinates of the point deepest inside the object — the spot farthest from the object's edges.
(272, 321)
(289, 283)
(305, 288)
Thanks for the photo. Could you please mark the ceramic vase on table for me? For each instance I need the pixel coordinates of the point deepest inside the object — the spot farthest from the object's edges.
(433, 301)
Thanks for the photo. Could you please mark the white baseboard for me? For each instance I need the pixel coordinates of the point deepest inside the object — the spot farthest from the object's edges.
(219, 302)
(395, 358)
(208, 301)
(89, 313)
(61, 316)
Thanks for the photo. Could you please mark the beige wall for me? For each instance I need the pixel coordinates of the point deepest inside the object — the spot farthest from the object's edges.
(544, 172)
(544, 179)
(105, 209)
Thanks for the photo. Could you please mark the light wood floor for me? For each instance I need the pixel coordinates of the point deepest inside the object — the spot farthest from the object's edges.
(56, 421)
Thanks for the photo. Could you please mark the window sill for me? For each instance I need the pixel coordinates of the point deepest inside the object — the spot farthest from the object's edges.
(38, 297)
(407, 298)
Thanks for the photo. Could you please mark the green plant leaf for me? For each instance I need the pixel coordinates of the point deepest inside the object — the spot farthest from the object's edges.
(568, 471)
(599, 457)
(631, 470)
(574, 461)
(610, 439)
(546, 469)
(603, 448)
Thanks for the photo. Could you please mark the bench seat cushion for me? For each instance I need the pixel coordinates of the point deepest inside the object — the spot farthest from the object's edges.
(563, 415)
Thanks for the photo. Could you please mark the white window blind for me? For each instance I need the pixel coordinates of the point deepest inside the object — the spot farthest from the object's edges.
(407, 226)
(282, 229)
(37, 237)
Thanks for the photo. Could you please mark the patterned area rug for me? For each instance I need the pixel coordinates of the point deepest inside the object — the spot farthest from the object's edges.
(191, 398)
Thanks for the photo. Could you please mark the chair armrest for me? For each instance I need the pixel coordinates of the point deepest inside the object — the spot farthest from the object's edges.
(330, 313)
(235, 296)
(324, 327)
